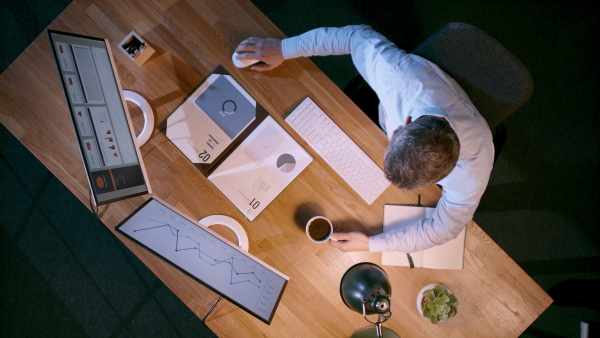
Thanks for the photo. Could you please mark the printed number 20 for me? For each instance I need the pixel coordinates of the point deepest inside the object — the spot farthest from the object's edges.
(204, 156)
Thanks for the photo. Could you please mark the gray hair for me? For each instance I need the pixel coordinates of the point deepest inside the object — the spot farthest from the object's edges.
(422, 153)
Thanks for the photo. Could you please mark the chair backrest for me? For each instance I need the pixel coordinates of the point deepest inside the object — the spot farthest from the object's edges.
(494, 79)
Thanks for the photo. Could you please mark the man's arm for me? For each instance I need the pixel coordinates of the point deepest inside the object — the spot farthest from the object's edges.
(421, 235)
(425, 233)
(317, 42)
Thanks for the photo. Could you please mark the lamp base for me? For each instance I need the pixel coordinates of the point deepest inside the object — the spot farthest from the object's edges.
(371, 331)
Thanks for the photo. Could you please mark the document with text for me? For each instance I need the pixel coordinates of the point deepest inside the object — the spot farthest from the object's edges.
(258, 170)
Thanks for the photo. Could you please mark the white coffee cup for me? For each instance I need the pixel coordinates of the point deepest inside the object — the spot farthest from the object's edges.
(319, 229)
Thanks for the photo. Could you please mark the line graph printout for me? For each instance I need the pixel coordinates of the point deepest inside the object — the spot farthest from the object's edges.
(197, 251)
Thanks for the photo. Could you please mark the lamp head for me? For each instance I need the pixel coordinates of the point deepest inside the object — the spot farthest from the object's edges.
(366, 283)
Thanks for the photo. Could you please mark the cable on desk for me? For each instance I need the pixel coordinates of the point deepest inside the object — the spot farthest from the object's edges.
(211, 309)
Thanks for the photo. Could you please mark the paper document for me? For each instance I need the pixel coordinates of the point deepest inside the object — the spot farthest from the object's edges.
(258, 170)
(449, 255)
(211, 119)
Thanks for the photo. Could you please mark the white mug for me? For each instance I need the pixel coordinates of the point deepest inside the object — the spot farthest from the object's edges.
(321, 229)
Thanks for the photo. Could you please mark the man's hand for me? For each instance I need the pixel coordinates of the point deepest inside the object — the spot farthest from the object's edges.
(266, 50)
(350, 241)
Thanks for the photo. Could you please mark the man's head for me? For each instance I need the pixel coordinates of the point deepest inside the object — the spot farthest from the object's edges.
(421, 153)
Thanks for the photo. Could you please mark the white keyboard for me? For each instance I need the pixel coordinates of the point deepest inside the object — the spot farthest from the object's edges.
(338, 150)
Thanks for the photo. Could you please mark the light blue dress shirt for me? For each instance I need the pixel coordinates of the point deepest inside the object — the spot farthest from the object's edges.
(409, 85)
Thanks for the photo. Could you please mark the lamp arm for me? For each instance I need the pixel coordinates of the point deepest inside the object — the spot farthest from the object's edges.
(378, 332)
(382, 318)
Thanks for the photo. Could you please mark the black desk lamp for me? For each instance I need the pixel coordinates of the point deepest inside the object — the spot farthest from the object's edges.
(365, 288)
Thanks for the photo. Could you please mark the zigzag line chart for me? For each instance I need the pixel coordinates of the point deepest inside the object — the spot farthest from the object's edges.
(233, 273)
(184, 243)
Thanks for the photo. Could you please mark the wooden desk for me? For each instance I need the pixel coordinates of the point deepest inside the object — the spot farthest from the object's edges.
(497, 298)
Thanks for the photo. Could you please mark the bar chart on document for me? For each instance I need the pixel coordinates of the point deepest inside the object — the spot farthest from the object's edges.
(251, 284)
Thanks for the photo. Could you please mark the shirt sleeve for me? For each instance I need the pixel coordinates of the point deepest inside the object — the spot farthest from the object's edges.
(319, 42)
(373, 55)
(447, 222)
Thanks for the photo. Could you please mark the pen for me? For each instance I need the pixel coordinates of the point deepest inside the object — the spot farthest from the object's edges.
(410, 261)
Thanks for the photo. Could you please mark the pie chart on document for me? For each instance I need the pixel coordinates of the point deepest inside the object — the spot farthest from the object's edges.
(286, 163)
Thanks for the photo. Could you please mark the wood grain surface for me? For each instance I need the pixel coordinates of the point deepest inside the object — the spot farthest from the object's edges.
(191, 38)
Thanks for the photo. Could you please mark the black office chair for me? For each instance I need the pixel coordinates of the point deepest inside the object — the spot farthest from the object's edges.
(494, 79)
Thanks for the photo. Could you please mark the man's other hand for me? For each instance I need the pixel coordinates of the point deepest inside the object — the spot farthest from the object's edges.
(266, 50)
(350, 241)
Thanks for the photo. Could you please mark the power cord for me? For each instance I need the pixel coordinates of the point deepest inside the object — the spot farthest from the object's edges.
(95, 212)
(211, 309)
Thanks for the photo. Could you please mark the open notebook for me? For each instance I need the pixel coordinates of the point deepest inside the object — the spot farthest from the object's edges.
(449, 255)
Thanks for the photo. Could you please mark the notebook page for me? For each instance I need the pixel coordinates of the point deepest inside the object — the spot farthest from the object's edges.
(449, 255)
(396, 217)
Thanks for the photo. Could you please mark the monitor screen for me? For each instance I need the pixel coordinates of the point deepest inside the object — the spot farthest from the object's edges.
(112, 160)
(225, 268)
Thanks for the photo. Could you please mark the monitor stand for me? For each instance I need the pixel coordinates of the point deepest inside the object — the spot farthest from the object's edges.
(136, 98)
(231, 224)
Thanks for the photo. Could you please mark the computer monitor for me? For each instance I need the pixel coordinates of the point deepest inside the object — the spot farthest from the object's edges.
(112, 159)
(196, 250)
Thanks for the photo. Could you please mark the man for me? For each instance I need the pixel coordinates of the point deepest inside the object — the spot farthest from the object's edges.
(436, 134)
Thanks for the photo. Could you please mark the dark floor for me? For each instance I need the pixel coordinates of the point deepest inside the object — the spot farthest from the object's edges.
(541, 205)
